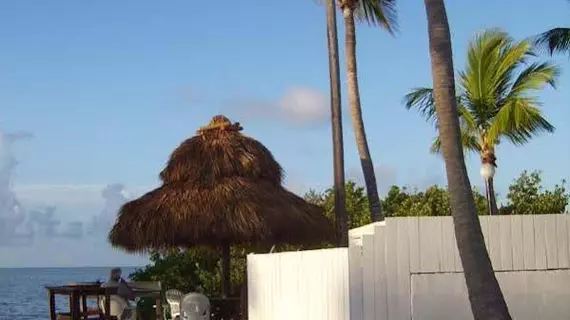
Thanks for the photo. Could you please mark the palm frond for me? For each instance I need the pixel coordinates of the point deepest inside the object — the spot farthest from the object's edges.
(556, 40)
(468, 140)
(467, 121)
(422, 99)
(378, 12)
(519, 120)
(478, 75)
(535, 77)
(513, 56)
(493, 58)
(495, 92)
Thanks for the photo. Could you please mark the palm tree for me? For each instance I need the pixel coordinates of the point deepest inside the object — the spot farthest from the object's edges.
(494, 97)
(556, 40)
(487, 301)
(336, 119)
(376, 12)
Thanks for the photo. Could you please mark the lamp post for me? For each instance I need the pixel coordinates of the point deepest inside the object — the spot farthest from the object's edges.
(487, 172)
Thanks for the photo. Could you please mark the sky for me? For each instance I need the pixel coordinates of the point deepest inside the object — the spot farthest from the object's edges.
(109, 88)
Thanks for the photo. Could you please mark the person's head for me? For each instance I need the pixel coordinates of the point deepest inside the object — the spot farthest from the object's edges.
(116, 274)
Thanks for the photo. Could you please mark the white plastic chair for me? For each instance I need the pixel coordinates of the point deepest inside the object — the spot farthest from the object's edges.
(195, 306)
(118, 306)
(174, 297)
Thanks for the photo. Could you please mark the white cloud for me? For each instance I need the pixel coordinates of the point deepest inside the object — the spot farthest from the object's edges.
(299, 106)
(304, 105)
(74, 201)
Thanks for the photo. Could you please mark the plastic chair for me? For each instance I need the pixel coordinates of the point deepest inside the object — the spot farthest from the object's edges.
(174, 297)
(118, 306)
(195, 306)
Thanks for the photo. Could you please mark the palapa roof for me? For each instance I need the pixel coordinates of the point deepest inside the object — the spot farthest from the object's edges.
(219, 187)
(218, 151)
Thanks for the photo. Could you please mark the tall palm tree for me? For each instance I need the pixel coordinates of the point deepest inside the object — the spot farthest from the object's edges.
(487, 301)
(494, 97)
(376, 12)
(336, 120)
(556, 40)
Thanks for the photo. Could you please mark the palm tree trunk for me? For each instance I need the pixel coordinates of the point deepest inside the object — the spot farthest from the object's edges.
(336, 119)
(487, 301)
(356, 116)
(487, 197)
(491, 198)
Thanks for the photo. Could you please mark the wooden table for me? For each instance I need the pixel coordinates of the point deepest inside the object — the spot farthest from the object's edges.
(77, 293)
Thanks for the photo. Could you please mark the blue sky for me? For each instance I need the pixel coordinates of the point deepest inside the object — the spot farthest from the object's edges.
(109, 88)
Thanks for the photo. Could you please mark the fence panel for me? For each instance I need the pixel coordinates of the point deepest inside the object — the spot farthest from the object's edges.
(299, 285)
(409, 268)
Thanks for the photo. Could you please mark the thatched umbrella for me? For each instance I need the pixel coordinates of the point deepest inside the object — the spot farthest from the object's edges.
(219, 188)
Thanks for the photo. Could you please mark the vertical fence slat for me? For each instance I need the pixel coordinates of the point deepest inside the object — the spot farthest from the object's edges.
(264, 275)
(355, 279)
(517, 242)
(404, 267)
(505, 235)
(380, 284)
(540, 242)
(568, 233)
(289, 271)
(275, 288)
(345, 294)
(562, 241)
(494, 243)
(415, 265)
(430, 246)
(265, 272)
(484, 220)
(392, 267)
(458, 264)
(550, 241)
(306, 277)
(448, 244)
(253, 289)
(368, 276)
(528, 242)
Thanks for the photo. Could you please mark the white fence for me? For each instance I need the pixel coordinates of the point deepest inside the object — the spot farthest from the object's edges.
(409, 268)
(299, 285)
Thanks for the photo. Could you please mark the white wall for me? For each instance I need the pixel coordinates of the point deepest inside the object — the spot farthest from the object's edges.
(409, 268)
(530, 295)
(298, 285)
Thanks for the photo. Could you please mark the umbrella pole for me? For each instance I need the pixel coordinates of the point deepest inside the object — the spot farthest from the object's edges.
(225, 270)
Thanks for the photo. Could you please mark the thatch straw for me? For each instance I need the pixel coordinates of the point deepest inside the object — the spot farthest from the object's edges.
(220, 151)
(220, 188)
(235, 210)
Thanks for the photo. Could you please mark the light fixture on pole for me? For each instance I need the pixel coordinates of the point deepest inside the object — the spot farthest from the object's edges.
(487, 172)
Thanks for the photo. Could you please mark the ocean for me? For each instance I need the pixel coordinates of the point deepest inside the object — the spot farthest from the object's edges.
(22, 292)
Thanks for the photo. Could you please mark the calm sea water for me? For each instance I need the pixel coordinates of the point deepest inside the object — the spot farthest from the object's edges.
(22, 292)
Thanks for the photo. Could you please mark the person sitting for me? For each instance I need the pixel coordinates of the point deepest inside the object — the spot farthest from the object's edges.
(124, 294)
